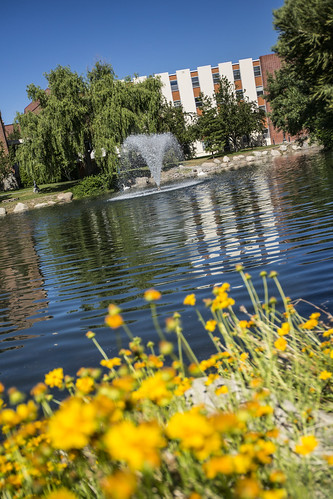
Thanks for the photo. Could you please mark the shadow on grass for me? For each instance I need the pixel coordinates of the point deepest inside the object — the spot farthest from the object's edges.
(58, 187)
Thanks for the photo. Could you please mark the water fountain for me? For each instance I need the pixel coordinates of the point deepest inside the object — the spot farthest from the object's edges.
(153, 151)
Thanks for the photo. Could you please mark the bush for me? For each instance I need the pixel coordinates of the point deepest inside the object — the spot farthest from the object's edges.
(93, 186)
(252, 421)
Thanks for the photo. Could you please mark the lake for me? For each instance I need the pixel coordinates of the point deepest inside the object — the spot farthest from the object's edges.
(60, 267)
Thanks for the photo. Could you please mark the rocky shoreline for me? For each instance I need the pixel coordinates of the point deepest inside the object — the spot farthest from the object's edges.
(234, 162)
(205, 169)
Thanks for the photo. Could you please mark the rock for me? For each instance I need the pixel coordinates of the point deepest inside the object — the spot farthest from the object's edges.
(2, 212)
(275, 152)
(65, 197)
(10, 183)
(264, 153)
(41, 205)
(257, 153)
(283, 148)
(20, 207)
(217, 161)
(226, 159)
(296, 147)
(208, 163)
(250, 158)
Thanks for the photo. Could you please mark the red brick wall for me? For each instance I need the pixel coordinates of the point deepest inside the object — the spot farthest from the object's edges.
(269, 64)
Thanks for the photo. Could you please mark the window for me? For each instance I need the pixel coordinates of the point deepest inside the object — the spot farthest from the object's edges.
(239, 94)
(177, 103)
(237, 75)
(198, 102)
(174, 85)
(257, 70)
(195, 81)
(260, 91)
(216, 78)
(263, 107)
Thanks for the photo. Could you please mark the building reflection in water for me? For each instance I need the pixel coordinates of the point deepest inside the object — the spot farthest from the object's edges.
(22, 293)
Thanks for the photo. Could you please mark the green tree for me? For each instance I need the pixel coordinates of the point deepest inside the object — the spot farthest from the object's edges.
(227, 119)
(301, 93)
(5, 167)
(176, 121)
(84, 117)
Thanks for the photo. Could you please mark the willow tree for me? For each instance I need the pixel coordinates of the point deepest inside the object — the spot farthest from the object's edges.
(81, 118)
(120, 108)
(57, 137)
(301, 93)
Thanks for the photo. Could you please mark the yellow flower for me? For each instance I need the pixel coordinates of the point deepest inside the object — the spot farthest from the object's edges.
(85, 385)
(195, 432)
(189, 299)
(277, 476)
(274, 494)
(307, 445)
(280, 344)
(243, 356)
(71, 426)
(210, 325)
(138, 446)
(315, 315)
(152, 295)
(222, 390)
(114, 321)
(120, 485)
(310, 324)
(329, 459)
(243, 324)
(284, 329)
(55, 377)
(111, 363)
(154, 388)
(211, 378)
(62, 493)
(325, 375)
(247, 488)
(222, 464)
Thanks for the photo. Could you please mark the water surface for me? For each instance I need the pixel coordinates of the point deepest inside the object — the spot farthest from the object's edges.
(60, 267)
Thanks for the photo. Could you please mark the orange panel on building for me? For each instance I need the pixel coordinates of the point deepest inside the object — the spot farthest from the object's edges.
(176, 95)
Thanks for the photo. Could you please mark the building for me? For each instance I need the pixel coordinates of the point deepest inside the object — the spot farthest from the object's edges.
(249, 77)
(183, 88)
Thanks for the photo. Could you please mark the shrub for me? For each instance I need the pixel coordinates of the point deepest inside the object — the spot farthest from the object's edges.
(250, 422)
(93, 185)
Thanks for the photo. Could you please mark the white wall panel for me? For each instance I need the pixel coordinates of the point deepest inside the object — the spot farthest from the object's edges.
(248, 80)
(186, 90)
(166, 88)
(225, 69)
(206, 80)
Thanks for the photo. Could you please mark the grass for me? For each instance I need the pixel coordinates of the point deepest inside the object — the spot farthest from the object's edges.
(252, 421)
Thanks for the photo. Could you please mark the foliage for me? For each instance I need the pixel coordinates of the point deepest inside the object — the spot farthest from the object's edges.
(227, 118)
(176, 121)
(301, 95)
(81, 118)
(93, 185)
(142, 425)
(5, 167)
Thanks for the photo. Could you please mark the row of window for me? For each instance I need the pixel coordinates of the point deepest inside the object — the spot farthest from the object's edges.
(216, 78)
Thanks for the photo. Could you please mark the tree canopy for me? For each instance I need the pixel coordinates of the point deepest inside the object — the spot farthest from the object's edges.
(301, 93)
(84, 118)
(227, 118)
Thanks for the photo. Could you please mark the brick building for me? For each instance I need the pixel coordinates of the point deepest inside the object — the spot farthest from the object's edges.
(182, 88)
(248, 76)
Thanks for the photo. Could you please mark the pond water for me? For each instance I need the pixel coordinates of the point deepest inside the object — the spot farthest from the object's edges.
(60, 267)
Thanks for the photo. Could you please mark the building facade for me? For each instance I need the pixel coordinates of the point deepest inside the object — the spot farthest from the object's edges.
(248, 77)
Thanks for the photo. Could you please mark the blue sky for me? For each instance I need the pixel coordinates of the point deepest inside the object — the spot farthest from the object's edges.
(144, 37)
